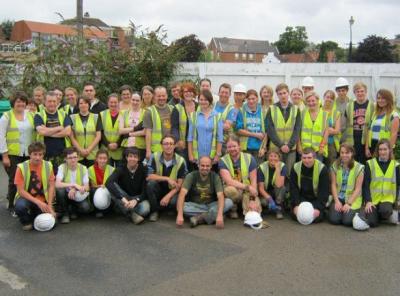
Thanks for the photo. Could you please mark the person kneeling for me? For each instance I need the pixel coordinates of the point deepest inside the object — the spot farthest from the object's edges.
(126, 185)
(206, 202)
(34, 179)
(271, 182)
(346, 183)
(309, 182)
(72, 187)
(166, 172)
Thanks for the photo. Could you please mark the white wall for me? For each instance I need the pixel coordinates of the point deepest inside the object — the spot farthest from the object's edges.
(375, 76)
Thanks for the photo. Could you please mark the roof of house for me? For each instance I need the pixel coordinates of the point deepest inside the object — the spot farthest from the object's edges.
(243, 45)
(56, 29)
(87, 21)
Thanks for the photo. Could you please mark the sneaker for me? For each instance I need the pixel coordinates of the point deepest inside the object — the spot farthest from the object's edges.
(136, 218)
(153, 217)
(13, 214)
(65, 219)
(279, 215)
(196, 220)
(27, 227)
(233, 214)
(99, 215)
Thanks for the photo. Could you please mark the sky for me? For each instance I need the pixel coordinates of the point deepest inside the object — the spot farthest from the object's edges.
(249, 19)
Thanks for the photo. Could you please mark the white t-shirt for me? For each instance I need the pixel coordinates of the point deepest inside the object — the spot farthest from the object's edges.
(60, 175)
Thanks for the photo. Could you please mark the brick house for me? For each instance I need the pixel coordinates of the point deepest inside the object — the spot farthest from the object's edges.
(230, 50)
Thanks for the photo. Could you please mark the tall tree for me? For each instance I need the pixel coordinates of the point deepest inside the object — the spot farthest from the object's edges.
(7, 27)
(326, 46)
(190, 48)
(293, 40)
(374, 49)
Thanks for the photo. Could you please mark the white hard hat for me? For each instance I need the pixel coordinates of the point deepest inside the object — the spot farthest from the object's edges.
(44, 222)
(239, 88)
(341, 82)
(102, 198)
(308, 82)
(359, 223)
(81, 196)
(394, 218)
(305, 213)
(253, 219)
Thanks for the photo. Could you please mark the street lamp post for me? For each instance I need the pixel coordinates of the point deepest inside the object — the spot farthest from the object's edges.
(351, 22)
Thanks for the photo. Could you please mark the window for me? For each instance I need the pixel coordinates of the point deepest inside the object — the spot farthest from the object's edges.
(244, 56)
(251, 56)
(236, 56)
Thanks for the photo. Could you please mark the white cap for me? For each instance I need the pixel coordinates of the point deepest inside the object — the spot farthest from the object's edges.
(239, 88)
(253, 219)
(308, 82)
(340, 82)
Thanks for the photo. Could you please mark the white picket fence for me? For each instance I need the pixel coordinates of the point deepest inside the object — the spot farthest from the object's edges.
(375, 76)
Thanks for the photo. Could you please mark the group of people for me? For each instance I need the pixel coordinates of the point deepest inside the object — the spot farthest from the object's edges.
(201, 154)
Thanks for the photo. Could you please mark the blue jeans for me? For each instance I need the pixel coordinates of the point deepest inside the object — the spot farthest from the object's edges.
(193, 209)
(142, 208)
(26, 210)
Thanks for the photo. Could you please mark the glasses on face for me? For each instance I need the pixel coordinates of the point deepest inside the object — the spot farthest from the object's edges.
(72, 157)
(168, 144)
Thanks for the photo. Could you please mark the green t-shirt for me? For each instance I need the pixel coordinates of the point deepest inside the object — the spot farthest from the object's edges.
(165, 116)
(202, 191)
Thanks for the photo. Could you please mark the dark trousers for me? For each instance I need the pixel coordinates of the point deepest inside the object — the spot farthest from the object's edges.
(56, 161)
(337, 218)
(360, 151)
(382, 212)
(66, 206)
(155, 192)
(12, 189)
(86, 162)
(26, 211)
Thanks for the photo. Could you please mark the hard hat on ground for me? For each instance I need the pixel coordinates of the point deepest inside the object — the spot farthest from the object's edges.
(359, 223)
(253, 219)
(305, 213)
(44, 222)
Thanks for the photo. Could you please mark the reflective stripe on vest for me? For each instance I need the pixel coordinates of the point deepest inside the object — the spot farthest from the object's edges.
(182, 122)
(111, 132)
(244, 140)
(334, 115)
(351, 183)
(61, 118)
(156, 132)
(179, 161)
(140, 142)
(318, 166)
(385, 131)
(12, 133)
(194, 116)
(350, 122)
(92, 174)
(245, 160)
(312, 133)
(382, 186)
(265, 170)
(81, 170)
(46, 171)
(284, 130)
(85, 135)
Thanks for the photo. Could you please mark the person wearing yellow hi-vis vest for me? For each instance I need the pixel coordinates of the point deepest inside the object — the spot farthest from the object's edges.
(251, 126)
(72, 187)
(358, 113)
(166, 172)
(384, 123)
(53, 128)
(381, 186)
(131, 127)
(98, 175)
(238, 171)
(110, 137)
(71, 94)
(39, 95)
(347, 177)
(223, 107)
(180, 119)
(86, 132)
(239, 96)
(309, 182)
(17, 132)
(205, 135)
(341, 102)
(314, 127)
(271, 182)
(283, 125)
(157, 121)
(34, 179)
(333, 126)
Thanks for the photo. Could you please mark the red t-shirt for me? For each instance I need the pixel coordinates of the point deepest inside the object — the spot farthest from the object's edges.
(99, 174)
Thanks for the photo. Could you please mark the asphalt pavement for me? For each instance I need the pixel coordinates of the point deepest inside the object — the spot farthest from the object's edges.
(111, 256)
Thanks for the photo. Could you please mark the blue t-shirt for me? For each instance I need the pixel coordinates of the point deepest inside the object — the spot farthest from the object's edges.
(219, 108)
(253, 124)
